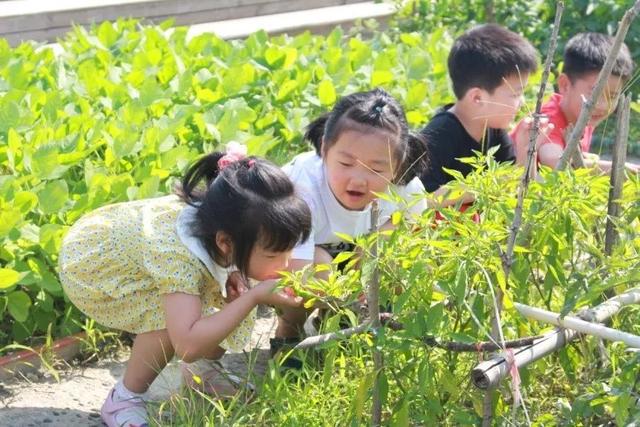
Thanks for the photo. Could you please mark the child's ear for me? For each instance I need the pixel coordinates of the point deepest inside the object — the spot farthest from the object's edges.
(475, 95)
(564, 83)
(224, 243)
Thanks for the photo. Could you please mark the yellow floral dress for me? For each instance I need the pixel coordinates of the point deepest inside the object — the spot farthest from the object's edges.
(118, 261)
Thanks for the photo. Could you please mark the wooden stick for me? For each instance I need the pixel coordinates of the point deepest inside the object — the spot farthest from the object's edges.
(374, 315)
(617, 173)
(507, 257)
(589, 104)
(577, 324)
(431, 341)
(488, 374)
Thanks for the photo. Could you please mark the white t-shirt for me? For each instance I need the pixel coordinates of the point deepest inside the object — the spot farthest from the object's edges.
(328, 216)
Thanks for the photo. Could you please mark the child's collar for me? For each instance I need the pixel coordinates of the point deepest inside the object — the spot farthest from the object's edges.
(195, 246)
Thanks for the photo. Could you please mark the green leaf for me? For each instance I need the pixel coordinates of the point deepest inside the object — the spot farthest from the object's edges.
(326, 92)
(401, 417)
(107, 35)
(25, 201)
(9, 116)
(45, 163)
(8, 278)
(18, 305)
(9, 218)
(51, 237)
(54, 196)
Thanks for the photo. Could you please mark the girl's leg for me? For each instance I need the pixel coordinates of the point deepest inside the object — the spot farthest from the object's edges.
(150, 353)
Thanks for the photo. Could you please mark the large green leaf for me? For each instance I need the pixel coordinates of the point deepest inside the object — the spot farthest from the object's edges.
(8, 278)
(53, 196)
(18, 305)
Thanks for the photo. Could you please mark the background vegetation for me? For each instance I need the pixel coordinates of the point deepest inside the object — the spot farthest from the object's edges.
(120, 112)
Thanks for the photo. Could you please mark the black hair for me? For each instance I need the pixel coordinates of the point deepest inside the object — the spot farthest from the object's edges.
(483, 56)
(587, 53)
(251, 200)
(363, 111)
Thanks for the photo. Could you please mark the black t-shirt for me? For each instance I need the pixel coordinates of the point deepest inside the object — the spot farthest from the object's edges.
(449, 141)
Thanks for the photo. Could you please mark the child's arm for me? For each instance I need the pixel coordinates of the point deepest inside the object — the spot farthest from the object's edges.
(550, 154)
(193, 336)
(594, 161)
(440, 200)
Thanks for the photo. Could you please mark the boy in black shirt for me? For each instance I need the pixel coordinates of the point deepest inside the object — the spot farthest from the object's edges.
(489, 67)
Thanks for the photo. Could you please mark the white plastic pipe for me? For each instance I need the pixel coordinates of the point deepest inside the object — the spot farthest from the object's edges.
(577, 324)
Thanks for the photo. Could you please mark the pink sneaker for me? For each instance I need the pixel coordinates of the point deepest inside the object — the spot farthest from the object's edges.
(111, 407)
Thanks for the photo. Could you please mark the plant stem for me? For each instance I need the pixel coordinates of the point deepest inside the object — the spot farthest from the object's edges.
(507, 257)
(570, 151)
(374, 315)
(617, 172)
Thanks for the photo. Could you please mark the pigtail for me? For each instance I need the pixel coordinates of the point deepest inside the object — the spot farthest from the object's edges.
(416, 160)
(315, 132)
(204, 169)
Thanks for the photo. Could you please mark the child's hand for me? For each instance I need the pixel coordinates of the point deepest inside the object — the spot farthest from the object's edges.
(236, 285)
(264, 294)
(522, 135)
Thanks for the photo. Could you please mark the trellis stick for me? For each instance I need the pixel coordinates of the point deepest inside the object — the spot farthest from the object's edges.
(431, 341)
(488, 374)
(570, 151)
(374, 315)
(507, 257)
(577, 324)
(617, 172)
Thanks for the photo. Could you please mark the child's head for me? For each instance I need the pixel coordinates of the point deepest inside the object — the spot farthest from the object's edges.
(247, 214)
(365, 144)
(584, 57)
(489, 67)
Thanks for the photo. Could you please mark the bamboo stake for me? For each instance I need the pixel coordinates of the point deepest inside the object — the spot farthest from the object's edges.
(577, 324)
(617, 172)
(488, 374)
(570, 150)
(507, 257)
(374, 315)
(431, 341)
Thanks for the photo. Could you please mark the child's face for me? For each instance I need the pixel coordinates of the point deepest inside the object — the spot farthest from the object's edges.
(573, 94)
(265, 264)
(500, 107)
(359, 164)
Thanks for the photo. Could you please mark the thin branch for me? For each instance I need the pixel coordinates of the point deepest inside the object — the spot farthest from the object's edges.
(431, 341)
(374, 315)
(617, 173)
(570, 150)
(507, 257)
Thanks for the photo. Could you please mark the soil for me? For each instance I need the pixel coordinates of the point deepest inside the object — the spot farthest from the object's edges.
(39, 400)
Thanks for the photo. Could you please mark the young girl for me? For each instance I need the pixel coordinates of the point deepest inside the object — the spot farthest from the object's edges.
(363, 146)
(159, 268)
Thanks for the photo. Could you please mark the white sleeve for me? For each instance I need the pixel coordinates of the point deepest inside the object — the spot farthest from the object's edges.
(414, 194)
(306, 250)
(414, 201)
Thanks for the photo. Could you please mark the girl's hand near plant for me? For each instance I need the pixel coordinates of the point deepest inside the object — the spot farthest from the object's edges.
(263, 293)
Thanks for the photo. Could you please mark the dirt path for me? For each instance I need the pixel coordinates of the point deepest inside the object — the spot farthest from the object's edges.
(40, 400)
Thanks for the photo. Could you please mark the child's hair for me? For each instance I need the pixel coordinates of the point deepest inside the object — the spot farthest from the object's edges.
(376, 109)
(251, 200)
(587, 53)
(483, 56)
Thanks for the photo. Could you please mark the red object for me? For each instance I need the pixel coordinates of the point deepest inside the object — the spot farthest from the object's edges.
(463, 208)
(65, 348)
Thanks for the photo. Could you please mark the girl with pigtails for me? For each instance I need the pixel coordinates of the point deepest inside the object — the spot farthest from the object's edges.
(174, 270)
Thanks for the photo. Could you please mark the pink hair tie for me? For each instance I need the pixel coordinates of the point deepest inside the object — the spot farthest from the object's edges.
(234, 152)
